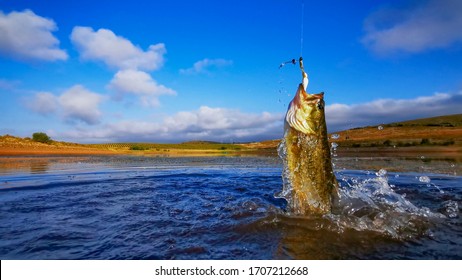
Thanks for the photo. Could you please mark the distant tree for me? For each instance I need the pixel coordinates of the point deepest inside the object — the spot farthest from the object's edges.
(41, 137)
(138, 148)
(425, 141)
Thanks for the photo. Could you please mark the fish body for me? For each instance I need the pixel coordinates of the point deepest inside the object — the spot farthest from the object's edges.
(310, 185)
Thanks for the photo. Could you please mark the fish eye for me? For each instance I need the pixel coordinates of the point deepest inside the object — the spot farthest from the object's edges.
(320, 105)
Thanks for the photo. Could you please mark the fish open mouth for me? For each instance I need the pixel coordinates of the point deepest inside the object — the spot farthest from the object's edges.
(305, 111)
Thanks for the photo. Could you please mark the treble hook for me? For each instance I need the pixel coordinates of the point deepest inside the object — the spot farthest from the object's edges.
(293, 61)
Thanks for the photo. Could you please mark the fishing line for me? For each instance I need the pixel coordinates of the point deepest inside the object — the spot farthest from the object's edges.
(301, 29)
(293, 61)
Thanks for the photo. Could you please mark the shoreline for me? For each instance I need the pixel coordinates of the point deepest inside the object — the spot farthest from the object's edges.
(435, 151)
(5, 152)
(453, 152)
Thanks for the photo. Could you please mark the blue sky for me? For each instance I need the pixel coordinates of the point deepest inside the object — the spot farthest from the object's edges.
(172, 71)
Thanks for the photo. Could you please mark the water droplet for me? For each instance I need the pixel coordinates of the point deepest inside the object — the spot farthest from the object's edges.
(380, 127)
(334, 145)
(397, 176)
(451, 208)
(382, 172)
(453, 165)
(424, 179)
(250, 205)
(422, 157)
(335, 136)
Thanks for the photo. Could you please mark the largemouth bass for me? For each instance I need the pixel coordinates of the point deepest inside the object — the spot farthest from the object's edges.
(310, 185)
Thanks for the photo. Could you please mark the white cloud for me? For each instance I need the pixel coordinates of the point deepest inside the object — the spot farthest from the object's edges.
(27, 36)
(43, 103)
(223, 124)
(141, 84)
(78, 103)
(73, 105)
(130, 61)
(204, 66)
(431, 25)
(116, 51)
(206, 123)
(382, 111)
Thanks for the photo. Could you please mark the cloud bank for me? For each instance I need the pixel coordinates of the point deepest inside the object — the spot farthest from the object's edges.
(205, 123)
(429, 25)
(27, 36)
(205, 65)
(382, 111)
(228, 125)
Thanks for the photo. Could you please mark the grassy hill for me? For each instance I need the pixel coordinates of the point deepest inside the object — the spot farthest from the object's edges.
(441, 121)
(438, 134)
(437, 131)
(442, 131)
(194, 146)
(11, 145)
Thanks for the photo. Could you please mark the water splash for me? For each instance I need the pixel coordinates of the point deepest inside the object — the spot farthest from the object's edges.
(451, 209)
(381, 173)
(333, 150)
(370, 205)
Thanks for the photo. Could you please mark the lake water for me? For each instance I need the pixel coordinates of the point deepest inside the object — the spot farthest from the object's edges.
(124, 207)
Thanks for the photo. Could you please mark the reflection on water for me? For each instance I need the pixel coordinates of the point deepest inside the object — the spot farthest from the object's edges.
(38, 166)
(421, 164)
(122, 207)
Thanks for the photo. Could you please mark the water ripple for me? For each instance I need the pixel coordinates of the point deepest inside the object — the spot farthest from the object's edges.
(220, 208)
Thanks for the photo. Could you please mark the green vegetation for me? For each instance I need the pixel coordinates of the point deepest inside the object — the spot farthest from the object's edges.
(41, 137)
(196, 145)
(138, 148)
(425, 141)
(387, 143)
(429, 132)
(398, 143)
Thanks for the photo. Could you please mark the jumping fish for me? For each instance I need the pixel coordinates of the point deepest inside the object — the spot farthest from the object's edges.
(310, 185)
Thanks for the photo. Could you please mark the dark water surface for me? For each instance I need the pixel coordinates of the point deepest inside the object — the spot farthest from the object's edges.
(122, 207)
